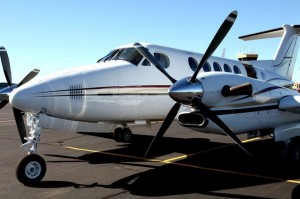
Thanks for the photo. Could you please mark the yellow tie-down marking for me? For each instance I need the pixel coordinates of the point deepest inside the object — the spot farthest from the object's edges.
(172, 161)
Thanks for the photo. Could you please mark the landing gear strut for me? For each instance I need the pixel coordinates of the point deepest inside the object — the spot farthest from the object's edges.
(122, 134)
(32, 168)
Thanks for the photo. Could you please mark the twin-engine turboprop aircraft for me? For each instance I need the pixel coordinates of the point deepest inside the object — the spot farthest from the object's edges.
(140, 82)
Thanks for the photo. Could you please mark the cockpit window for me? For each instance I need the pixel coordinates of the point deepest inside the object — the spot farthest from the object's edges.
(128, 54)
(109, 56)
(162, 59)
(146, 62)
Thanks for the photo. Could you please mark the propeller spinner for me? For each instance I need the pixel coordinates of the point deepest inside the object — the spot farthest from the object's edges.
(189, 90)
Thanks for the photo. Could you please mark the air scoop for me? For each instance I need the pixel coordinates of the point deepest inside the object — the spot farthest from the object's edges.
(183, 91)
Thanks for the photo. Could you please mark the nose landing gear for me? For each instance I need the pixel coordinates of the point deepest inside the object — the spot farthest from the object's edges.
(32, 168)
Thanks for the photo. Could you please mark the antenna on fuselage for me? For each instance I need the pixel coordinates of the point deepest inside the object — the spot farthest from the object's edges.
(223, 53)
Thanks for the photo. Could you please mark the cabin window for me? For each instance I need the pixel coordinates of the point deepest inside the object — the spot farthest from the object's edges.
(217, 67)
(206, 67)
(193, 63)
(227, 68)
(236, 70)
(162, 59)
(250, 71)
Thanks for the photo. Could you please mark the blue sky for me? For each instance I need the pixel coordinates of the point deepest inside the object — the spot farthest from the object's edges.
(57, 34)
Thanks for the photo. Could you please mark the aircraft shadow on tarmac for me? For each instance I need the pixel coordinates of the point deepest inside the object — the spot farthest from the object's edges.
(227, 167)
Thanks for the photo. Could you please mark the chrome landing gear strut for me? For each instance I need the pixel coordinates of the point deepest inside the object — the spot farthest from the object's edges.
(32, 168)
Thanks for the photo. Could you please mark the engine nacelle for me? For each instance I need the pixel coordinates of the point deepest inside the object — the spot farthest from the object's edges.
(192, 119)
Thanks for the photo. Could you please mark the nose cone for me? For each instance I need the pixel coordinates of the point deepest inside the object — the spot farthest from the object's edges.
(28, 97)
(183, 91)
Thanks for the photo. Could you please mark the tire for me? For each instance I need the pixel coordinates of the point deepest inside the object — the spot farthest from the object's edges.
(31, 169)
(126, 135)
(117, 134)
(296, 153)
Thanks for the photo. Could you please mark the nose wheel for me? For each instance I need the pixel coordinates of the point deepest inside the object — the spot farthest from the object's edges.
(31, 169)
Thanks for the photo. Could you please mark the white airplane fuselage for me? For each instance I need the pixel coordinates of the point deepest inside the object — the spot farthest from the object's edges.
(119, 91)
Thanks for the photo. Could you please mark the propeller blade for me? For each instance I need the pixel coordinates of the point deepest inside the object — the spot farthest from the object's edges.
(143, 51)
(5, 65)
(20, 124)
(29, 76)
(3, 102)
(222, 32)
(166, 124)
(197, 102)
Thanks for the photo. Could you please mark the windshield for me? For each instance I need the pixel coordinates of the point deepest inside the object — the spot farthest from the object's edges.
(108, 57)
(128, 54)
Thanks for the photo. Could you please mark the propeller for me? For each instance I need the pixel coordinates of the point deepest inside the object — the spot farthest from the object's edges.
(29, 76)
(20, 124)
(218, 38)
(192, 82)
(166, 124)
(5, 65)
(214, 117)
(4, 93)
(143, 51)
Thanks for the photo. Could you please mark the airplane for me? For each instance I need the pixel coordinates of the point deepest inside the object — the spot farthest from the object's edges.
(139, 83)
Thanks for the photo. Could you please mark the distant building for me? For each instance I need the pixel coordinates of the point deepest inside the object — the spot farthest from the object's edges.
(247, 56)
(296, 86)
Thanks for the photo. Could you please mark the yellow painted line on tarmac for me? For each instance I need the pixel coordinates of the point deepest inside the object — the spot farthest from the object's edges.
(251, 140)
(208, 150)
(212, 149)
(221, 147)
(106, 153)
(169, 161)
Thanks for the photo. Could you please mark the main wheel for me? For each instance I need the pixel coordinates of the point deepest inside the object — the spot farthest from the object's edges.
(117, 134)
(126, 135)
(296, 153)
(31, 169)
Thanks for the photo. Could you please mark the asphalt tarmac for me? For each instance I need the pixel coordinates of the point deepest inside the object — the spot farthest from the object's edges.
(183, 164)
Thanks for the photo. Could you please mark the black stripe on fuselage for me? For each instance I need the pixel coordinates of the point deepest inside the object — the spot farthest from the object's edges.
(78, 91)
(246, 110)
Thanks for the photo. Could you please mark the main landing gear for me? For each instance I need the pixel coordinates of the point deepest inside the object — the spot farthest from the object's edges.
(122, 134)
(291, 149)
(32, 168)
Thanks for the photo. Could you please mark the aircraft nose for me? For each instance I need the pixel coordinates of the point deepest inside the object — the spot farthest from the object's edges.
(27, 98)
